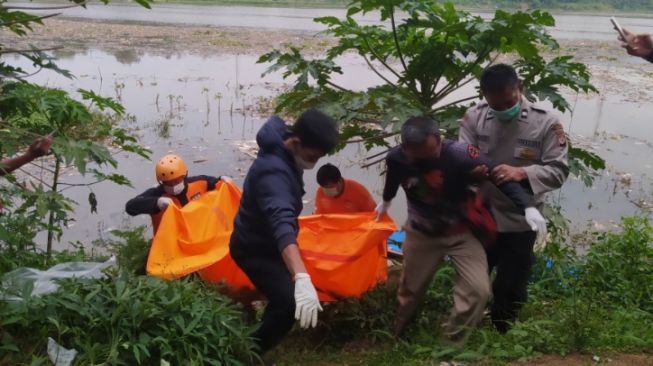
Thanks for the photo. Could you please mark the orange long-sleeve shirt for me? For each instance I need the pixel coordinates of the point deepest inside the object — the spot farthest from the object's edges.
(354, 198)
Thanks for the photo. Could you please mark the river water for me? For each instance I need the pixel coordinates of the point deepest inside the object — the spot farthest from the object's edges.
(203, 108)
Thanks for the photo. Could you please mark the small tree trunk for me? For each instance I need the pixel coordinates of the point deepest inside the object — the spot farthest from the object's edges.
(55, 181)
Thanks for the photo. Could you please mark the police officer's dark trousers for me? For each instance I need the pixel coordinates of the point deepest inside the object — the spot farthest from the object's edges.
(512, 257)
(272, 279)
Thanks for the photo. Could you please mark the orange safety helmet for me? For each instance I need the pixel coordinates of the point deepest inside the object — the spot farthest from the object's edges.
(170, 167)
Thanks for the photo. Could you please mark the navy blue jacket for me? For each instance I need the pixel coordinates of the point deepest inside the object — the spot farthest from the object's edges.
(266, 222)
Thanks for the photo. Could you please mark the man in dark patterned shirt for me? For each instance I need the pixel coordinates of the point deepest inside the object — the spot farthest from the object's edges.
(435, 174)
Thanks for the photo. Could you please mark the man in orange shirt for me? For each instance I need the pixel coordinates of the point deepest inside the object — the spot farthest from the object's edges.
(338, 195)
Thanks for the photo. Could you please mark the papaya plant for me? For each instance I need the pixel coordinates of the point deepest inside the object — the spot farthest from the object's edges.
(425, 53)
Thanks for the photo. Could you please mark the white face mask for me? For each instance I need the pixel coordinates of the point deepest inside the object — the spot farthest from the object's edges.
(330, 192)
(303, 164)
(176, 189)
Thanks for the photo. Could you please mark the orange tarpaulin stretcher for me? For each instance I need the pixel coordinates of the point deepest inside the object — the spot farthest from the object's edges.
(344, 254)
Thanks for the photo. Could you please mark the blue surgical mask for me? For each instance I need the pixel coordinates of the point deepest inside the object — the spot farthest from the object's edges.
(509, 114)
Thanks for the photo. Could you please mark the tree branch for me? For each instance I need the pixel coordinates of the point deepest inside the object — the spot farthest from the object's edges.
(381, 136)
(35, 177)
(453, 103)
(338, 87)
(42, 167)
(378, 154)
(456, 84)
(378, 73)
(373, 163)
(369, 47)
(453, 86)
(72, 185)
(32, 20)
(394, 33)
(399, 89)
(21, 77)
(437, 80)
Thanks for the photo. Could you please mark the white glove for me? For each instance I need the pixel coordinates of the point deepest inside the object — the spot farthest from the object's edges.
(381, 209)
(306, 302)
(227, 179)
(537, 222)
(163, 202)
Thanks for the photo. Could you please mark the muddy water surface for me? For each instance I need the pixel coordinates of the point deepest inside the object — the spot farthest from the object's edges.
(207, 109)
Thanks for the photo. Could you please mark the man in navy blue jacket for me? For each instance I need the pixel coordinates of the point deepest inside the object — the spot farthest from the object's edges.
(264, 240)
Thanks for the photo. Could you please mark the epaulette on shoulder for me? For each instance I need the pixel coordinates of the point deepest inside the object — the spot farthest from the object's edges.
(481, 105)
(539, 108)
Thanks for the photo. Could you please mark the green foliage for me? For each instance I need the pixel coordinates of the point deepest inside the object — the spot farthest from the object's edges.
(421, 61)
(130, 247)
(83, 130)
(81, 137)
(128, 321)
(583, 164)
(17, 246)
(620, 266)
(368, 317)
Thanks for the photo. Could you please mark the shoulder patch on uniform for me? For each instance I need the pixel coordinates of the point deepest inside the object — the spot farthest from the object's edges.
(539, 108)
(560, 133)
(473, 151)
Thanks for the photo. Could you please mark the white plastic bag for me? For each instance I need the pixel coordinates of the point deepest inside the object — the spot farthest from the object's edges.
(59, 355)
(44, 282)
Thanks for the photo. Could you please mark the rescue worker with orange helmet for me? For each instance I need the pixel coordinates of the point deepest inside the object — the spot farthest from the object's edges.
(175, 188)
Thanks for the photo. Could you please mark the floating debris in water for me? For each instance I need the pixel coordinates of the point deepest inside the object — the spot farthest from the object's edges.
(247, 147)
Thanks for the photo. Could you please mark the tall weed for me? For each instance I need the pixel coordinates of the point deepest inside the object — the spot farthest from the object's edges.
(128, 321)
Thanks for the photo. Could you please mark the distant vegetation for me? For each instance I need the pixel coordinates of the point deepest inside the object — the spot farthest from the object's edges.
(568, 5)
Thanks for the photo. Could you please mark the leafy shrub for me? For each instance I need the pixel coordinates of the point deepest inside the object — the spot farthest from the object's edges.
(128, 321)
(620, 265)
(130, 247)
(370, 316)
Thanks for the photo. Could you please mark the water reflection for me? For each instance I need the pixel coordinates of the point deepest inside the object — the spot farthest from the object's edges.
(127, 56)
(204, 108)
